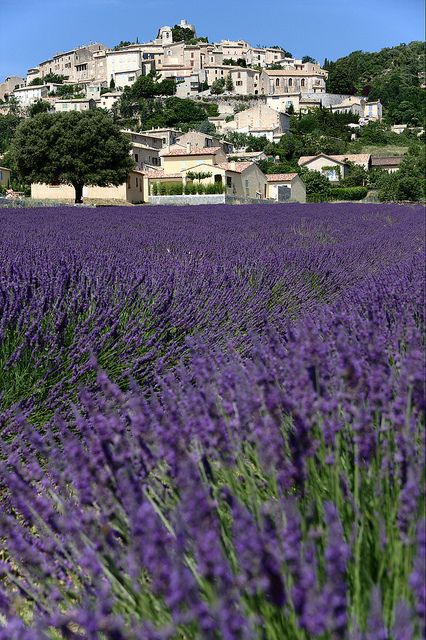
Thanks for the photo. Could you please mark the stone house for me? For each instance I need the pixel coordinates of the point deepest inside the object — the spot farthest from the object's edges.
(202, 140)
(335, 167)
(388, 163)
(130, 191)
(108, 100)
(9, 85)
(26, 96)
(262, 118)
(5, 176)
(285, 186)
(77, 65)
(293, 81)
(74, 104)
(145, 149)
(329, 166)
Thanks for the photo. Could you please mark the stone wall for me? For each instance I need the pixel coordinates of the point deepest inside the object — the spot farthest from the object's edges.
(207, 199)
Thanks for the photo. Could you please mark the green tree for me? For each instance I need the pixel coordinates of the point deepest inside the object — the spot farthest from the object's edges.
(308, 59)
(229, 85)
(8, 125)
(184, 34)
(41, 106)
(316, 183)
(72, 148)
(218, 86)
(112, 84)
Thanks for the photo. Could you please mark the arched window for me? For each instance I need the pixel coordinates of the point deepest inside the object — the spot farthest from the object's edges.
(277, 82)
(290, 82)
(303, 82)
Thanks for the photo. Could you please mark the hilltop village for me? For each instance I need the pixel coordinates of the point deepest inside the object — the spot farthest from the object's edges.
(238, 102)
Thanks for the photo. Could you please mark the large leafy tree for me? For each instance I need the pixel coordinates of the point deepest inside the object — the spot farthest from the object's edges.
(72, 148)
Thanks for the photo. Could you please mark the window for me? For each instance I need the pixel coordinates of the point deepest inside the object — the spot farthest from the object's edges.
(130, 78)
(239, 74)
(228, 181)
(1, 175)
(239, 83)
(303, 82)
(277, 82)
(136, 157)
(218, 178)
(290, 82)
(137, 182)
(192, 54)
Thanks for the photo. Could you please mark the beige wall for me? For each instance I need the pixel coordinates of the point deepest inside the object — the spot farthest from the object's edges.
(132, 191)
(4, 176)
(175, 164)
(261, 117)
(297, 186)
(318, 164)
(247, 184)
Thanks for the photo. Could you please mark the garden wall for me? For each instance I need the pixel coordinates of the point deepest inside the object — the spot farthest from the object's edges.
(216, 198)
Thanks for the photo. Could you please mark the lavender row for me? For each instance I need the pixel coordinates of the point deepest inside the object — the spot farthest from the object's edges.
(257, 474)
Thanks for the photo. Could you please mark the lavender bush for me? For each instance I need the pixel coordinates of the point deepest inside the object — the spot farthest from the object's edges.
(212, 423)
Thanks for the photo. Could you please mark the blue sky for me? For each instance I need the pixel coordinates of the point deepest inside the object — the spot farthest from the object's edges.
(34, 30)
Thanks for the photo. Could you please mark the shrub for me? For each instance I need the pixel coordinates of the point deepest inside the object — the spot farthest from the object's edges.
(189, 189)
(154, 189)
(163, 189)
(348, 193)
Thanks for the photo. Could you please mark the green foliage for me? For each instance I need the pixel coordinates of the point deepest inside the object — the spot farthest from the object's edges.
(8, 125)
(150, 86)
(206, 127)
(218, 86)
(239, 62)
(122, 44)
(244, 140)
(112, 84)
(198, 175)
(316, 185)
(409, 182)
(357, 176)
(154, 189)
(50, 78)
(72, 148)
(271, 167)
(184, 34)
(171, 112)
(68, 91)
(391, 75)
(229, 85)
(348, 193)
(41, 106)
(308, 59)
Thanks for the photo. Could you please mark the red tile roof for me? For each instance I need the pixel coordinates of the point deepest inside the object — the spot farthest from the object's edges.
(159, 173)
(195, 151)
(238, 167)
(280, 177)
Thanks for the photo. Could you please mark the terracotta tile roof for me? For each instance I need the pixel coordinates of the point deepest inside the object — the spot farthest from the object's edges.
(393, 161)
(352, 157)
(239, 167)
(159, 173)
(305, 159)
(195, 151)
(281, 177)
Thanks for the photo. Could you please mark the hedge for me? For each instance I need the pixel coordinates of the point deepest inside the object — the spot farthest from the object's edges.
(339, 193)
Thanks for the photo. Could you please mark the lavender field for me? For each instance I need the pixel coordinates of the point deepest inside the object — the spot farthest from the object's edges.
(212, 423)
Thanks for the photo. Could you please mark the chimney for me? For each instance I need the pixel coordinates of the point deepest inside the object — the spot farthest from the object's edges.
(188, 147)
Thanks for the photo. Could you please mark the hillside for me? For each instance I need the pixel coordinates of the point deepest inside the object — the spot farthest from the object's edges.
(394, 75)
